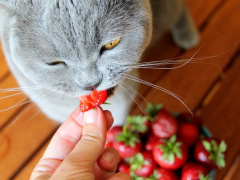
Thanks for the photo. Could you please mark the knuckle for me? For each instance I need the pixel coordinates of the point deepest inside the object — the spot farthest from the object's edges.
(92, 136)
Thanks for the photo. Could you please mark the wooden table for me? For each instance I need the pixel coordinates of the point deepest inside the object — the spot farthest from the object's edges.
(211, 93)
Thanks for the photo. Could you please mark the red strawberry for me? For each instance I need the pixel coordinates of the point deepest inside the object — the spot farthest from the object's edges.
(163, 174)
(142, 164)
(165, 125)
(124, 167)
(211, 152)
(170, 154)
(138, 124)
(113, 132)
(187, 117)
(108, 144)
(99, 97)
(152, 139)
(194, 171)
(188, 133)
(127, 143)
(92, 100)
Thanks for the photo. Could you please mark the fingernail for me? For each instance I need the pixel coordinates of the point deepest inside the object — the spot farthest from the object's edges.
(91, 116)
(108, 156)
(78, 116)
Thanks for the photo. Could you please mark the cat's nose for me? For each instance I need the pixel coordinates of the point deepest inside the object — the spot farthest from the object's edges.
(91, 88)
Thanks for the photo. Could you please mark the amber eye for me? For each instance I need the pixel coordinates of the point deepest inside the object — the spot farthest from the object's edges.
(112, 44)
(56, 63)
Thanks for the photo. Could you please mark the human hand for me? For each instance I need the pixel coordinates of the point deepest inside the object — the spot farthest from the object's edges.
(77, 150)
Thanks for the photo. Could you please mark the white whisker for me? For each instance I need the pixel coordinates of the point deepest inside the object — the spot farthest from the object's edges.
(160, 88)
(133, 99)
(137, 93)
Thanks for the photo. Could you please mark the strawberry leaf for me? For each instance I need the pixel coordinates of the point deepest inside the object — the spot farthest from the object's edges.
(137, 123)
(207, 145)
(222, 147)
(152, 110)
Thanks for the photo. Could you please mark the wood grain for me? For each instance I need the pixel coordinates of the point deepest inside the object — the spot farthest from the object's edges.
(166, 49)
(22, 139)
(222, 117)
(3, 65)
(193, 81)
(27, 170)
(9, 82)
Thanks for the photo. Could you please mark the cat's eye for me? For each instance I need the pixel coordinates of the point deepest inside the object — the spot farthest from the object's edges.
(112, 44)
(56, 63)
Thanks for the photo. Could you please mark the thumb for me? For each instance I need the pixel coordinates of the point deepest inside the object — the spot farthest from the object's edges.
(80, 162)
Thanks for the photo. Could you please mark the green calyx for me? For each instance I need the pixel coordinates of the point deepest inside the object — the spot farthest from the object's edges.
(171, 149)
(128, 137)
(154, 176)
(137, 124)
(216, 152)
(137, 162)
(202, 177)
(152, 110)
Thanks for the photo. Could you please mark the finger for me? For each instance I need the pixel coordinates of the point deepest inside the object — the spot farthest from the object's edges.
(109, 118)
(61, 144)
(107, 163)
(80, 162)
(120, 176)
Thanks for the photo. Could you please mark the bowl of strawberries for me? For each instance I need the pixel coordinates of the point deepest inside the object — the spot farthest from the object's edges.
(167, 146)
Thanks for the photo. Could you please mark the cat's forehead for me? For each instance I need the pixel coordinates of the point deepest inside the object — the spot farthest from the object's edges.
(88, 22)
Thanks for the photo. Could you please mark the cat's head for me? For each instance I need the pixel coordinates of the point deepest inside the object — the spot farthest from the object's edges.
(71, 45)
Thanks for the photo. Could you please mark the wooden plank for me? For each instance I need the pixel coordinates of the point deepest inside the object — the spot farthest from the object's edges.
(3, 65)
(192, 82)
(166, 48)
(22, 139)
(233, 172)
(9, 82)
(222, 114)
(27, 170)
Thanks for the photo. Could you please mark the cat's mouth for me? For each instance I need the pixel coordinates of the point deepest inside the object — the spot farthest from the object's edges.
(111, 91)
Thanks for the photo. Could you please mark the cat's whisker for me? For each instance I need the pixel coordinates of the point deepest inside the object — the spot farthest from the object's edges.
(155, 67)
(31, 106)
(5, 97)
(162, 89)
(153, 86)
(23, 102)
(137, 93)
(19, 89)
(133, 100)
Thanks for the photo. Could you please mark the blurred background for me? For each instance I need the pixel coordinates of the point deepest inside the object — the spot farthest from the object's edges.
(211, 88)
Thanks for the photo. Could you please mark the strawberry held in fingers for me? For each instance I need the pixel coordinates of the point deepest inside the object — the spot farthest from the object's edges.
(165, 125)
(142, 164)
(163, 174)
(127, 144)
(194, 171)
(92, 100)
(211, 152)
(170, 154)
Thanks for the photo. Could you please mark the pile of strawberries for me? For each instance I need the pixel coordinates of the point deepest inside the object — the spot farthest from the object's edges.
(165, 146)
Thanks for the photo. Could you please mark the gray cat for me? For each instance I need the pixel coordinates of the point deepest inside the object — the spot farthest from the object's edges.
(61, 49)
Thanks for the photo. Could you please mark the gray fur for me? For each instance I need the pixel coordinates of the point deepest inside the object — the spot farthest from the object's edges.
(37, 32)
